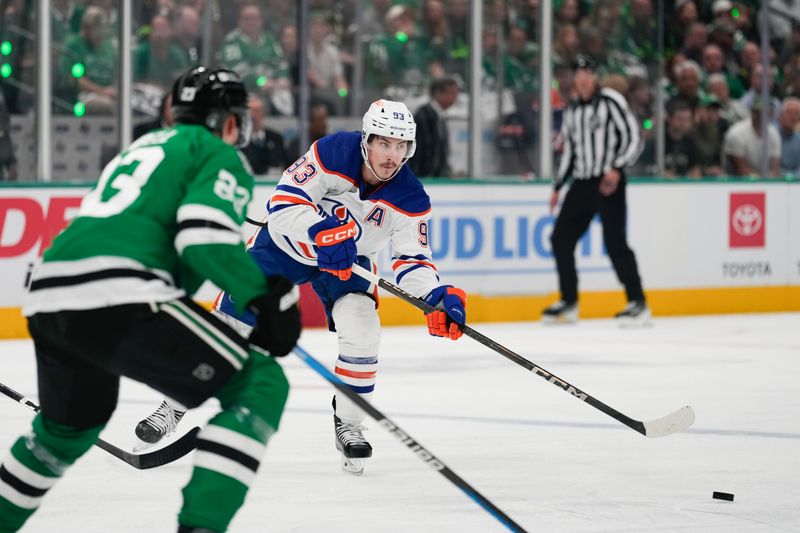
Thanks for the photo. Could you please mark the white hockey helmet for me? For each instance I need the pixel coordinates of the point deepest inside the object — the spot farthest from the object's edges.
(389, 119)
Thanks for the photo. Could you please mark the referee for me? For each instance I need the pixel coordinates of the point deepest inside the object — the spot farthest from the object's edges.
(601, 138)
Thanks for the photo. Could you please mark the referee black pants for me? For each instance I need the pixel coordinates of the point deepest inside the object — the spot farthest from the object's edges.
(582, 201)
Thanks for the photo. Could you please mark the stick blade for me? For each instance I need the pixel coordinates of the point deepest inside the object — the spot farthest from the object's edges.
(160, 457)
(675, 422)
(170, 453)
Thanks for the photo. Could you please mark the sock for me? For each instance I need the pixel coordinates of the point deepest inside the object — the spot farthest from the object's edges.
(34, 464)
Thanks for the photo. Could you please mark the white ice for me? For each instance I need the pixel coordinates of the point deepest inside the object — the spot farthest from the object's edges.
(546, 459)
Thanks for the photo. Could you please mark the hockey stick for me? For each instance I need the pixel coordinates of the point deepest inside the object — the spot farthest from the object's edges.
(420, 451)
(143, 461)
(672, 423)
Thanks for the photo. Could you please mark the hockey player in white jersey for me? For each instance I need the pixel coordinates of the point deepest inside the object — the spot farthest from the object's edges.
(342, 202)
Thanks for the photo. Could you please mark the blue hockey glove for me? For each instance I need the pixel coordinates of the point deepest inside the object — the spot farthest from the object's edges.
(336, 246)
(451, 313)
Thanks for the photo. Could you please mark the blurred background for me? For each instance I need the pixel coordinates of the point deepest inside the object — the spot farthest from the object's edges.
(80, 78)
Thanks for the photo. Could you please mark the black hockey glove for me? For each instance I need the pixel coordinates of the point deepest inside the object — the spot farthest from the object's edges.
(277, 317)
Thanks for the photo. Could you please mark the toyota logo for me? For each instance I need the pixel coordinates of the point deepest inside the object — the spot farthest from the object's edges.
(747, 220)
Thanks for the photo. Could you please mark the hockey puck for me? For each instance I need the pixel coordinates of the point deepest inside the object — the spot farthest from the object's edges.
(727, 496)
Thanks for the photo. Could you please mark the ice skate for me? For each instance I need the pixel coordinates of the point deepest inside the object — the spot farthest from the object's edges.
(635, 315)
(561, 312)
(353, 446)
(158, 425)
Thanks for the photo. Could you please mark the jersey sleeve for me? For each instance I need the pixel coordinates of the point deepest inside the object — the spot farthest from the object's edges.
(293, 206)
(412, 264)
(209, 221)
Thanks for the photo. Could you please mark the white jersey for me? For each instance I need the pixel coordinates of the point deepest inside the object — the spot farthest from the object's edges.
(327, 181)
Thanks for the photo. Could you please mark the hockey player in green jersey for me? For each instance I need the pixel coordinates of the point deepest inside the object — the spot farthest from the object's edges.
(111, 299)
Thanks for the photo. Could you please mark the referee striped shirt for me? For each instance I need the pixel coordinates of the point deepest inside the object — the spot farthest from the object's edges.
(600, 134)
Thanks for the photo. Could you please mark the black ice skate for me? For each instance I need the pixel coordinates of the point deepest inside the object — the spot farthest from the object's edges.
(158, 425)
(635, 314)
(351, 443)
(561, 312)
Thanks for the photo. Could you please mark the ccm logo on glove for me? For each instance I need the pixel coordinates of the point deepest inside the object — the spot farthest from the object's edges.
(326, 238)
(336, 246)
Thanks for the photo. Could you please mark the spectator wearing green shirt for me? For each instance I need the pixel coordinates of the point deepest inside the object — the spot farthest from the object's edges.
(186, 32)
(158, 61)
(255, 55)
(89, 64)
(400, 57)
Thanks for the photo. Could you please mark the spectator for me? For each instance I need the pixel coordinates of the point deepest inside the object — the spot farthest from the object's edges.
(714, 63)
(265, 149)
(326, 72)
(433, 137)
(793, 79)
(64, 20)
(568, 13)
(731, 110)
(722, 33)
(288, 42)
(742, 147)
(158, 61)
(790, 137)
(317, 129)
(257, 57)
(163, 120)
(89, 64)
(685, 14)
(680, 154)
(520, 62)
(749, 57)
(567, 45)
(187, 33)
(400, 57)
(687, 87)
(754, 92)
(640, 98)
(617, 82)
(437, 30)
(722, 9)
(694, 39)
(707, 134)
(373, 19)
(8, 161)
(638, 34)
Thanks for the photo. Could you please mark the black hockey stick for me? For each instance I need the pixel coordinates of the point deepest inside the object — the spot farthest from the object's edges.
(672, 423)
(167, 454)
(420, 451)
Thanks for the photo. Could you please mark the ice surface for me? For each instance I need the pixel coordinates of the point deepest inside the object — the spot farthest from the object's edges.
(550, 461)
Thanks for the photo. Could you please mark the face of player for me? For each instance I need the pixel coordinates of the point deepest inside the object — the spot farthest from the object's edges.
(385, 156)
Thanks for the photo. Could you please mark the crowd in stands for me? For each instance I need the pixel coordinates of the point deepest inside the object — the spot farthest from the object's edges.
(707, 71)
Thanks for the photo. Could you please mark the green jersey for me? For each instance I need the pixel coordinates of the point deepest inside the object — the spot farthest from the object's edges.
(164, 217)
(255, 61)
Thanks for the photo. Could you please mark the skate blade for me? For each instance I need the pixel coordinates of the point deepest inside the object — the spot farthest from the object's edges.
(635, 323)
(353, 466)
